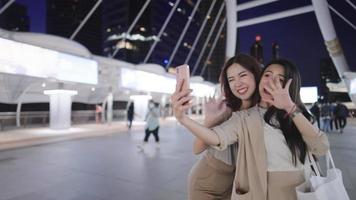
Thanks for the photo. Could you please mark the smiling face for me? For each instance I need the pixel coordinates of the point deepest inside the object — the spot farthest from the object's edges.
(241, 82)
(274, 72)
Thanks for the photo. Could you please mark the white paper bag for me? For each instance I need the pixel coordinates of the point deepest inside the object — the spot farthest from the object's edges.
(317, 187)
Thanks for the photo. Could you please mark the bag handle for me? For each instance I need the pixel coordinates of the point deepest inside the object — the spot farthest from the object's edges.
(313, 163)
(329, 159)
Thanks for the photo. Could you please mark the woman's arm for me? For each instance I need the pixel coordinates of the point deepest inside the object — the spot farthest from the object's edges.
(215, 112)
(208, 136)
(181, 102)
(316, 140)
(305, 127)
(199, 146)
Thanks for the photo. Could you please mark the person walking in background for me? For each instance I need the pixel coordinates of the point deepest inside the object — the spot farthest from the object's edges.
(325, 117)
(332, 106)
(152, 124)
(130, 114)
(315, 110)
(98, 113)
(341, 114)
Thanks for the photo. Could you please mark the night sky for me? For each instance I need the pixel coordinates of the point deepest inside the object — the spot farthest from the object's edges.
(299, 37)
(37, 12)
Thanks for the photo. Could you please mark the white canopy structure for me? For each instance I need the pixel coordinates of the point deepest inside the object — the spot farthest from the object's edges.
(23, 73)
(33, 65)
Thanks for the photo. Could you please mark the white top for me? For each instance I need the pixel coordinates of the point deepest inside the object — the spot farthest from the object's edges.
(279, 156)
(152, 119)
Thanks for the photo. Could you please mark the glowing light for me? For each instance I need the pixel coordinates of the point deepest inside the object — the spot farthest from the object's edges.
(142, 29)
(149, 82)
(309, 94)
(353, 86)
(70, 92)
(258, 38)
(132, 37)
(29, 60)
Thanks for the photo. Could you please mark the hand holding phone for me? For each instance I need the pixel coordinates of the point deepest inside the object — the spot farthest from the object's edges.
(183, 74)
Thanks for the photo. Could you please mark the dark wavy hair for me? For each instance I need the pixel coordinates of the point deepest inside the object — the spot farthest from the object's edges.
(251, 65)
(292, 135)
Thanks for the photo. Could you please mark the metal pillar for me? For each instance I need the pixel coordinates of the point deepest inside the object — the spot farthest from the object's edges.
(351, 4)
(161, 31)
(6, 6)
(231, 33)
(19, 103)
(213, 47)
(342, 17)
(199, 33)
(328, 31)
(208, 38)
(85, 19)
(190, 18)
(275, 16)
(252, 4)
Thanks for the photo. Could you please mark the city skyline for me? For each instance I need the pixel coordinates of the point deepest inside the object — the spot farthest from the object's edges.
(299, 37)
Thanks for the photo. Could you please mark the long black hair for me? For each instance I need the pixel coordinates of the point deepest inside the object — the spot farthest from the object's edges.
(251, 65)
(292, 135)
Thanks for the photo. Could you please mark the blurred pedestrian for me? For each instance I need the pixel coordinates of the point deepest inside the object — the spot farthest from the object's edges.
(325, 117)
(341, 114)
(98, 113)
(332, 107)
(152, 124)
(130, 114)
(315, 109)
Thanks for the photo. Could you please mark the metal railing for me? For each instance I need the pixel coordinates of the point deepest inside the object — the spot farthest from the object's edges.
(41, 118)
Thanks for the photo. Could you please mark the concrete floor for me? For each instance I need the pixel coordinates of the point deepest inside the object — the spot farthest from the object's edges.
(111, 167)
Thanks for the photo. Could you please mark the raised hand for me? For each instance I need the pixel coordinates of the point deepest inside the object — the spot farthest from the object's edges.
(216, 112)
(280, 96)
(181, 100)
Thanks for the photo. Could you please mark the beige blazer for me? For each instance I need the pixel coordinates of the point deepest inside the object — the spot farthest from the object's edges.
(246, 127)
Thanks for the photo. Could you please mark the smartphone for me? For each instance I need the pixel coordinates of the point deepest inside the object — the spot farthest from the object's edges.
(183, 73)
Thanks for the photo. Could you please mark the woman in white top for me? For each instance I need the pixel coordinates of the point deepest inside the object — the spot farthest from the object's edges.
(273, 137)
(212, 176)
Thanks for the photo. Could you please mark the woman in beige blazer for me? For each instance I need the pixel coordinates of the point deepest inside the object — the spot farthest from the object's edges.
(211, 178)
(273, 137)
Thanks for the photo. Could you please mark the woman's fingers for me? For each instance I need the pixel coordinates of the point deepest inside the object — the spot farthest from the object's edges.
(178, 95)
(187, 106)
(268, 88)
(179, 85)
(277, 83)
(270, 101)
(184, 100)
(272, 84)
(288, 84)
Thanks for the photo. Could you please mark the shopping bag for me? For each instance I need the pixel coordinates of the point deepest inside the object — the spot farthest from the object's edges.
(317, 187)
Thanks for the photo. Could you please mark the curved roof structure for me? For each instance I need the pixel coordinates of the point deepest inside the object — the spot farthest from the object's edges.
(52, 42)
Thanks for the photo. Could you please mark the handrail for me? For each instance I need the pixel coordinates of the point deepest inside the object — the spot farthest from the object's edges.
(8, 119)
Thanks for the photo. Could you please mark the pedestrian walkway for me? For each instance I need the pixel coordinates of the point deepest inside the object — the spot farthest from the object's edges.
(34, 136)
(109, 166)
(343, 149)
